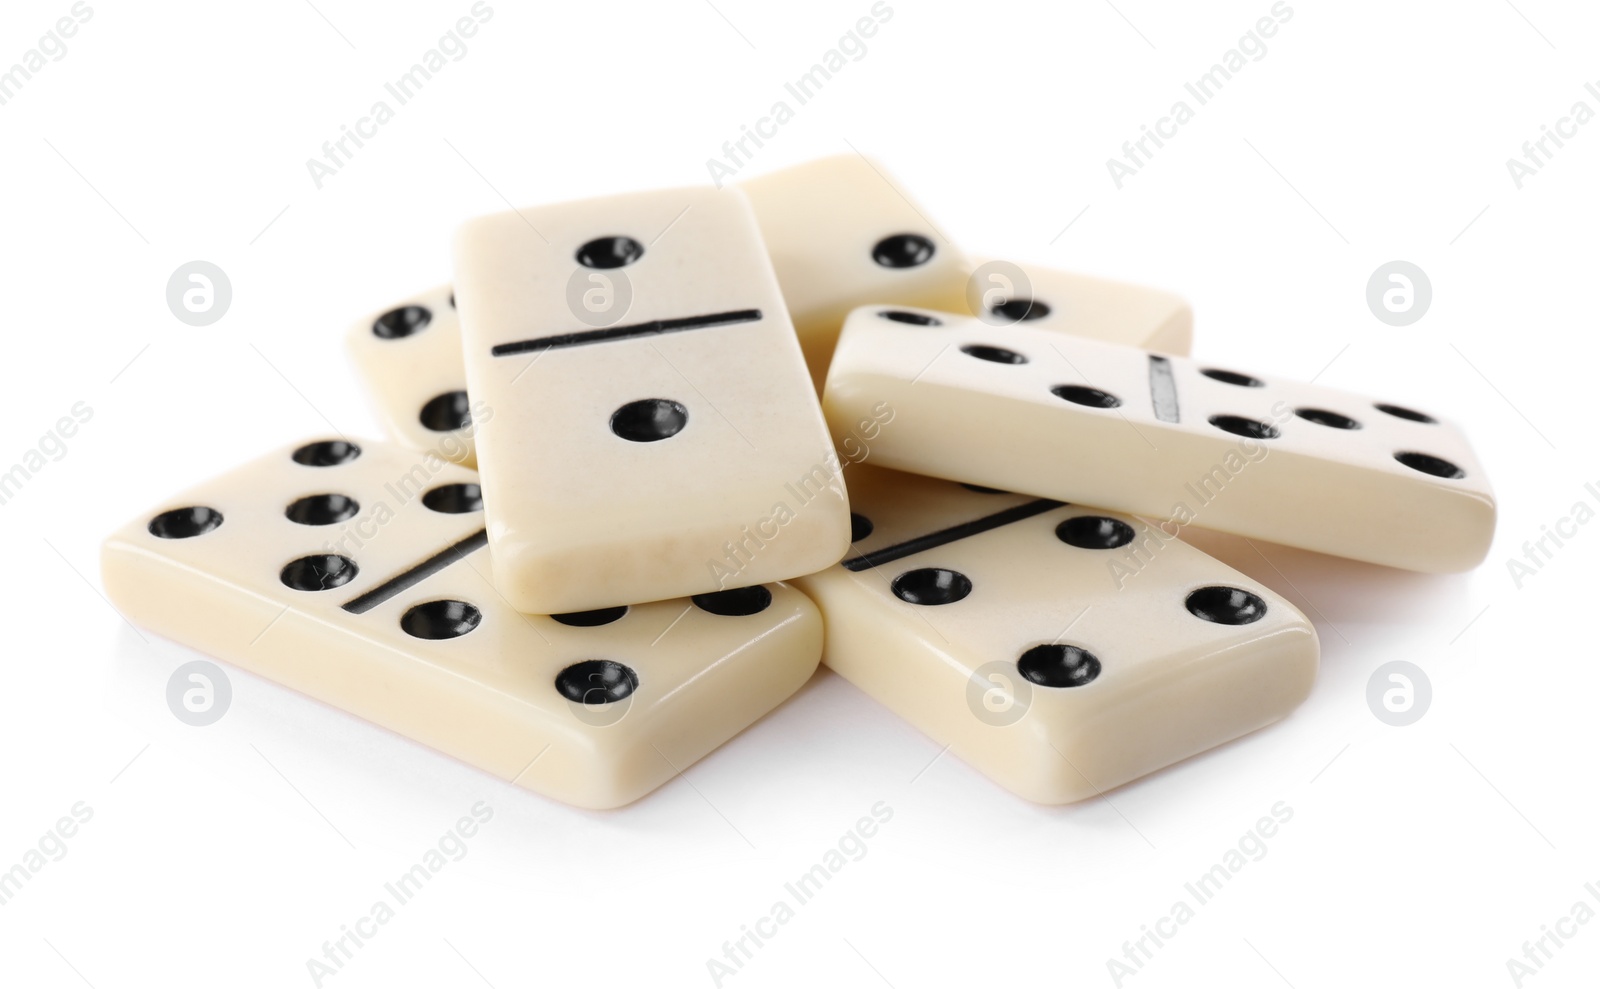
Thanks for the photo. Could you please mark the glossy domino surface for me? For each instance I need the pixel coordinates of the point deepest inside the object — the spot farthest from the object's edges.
(1164, 436)
(358, 574)
(842, 234)
(1004, 294)
(630, 450)
(1060, 650)
(408, 357)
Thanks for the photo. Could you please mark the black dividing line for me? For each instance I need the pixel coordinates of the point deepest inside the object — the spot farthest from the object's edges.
(417, 574)
(1163, 390)
(653, 328)
(943, 537)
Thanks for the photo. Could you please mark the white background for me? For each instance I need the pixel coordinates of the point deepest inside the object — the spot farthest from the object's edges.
(1370, 131)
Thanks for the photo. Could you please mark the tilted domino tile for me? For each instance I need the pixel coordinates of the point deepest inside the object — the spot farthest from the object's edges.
(409, 357)
(654, 432)
(1060, 650)
(1166, 437)
(1097, 308)
(358, 575)
(842, 234)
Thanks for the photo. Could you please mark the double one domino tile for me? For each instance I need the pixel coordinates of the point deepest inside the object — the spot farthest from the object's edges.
(648, 409)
